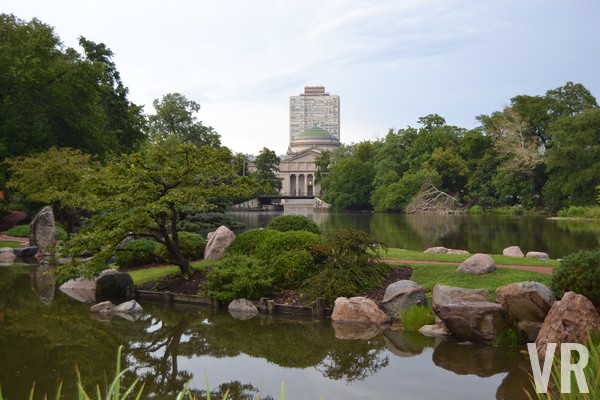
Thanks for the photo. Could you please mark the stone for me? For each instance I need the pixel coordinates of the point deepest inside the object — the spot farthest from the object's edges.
(436, 250)
(131, 307)
(24, 252)
(80, 289)
(112, 284)
(527, 303)
(468, 315)
(242, 309)
(6, 250)
(571, 319)
(103, 307)
(7, 258)
(43, 230)
(358, 310)
(537, 254)
(439, 329)
(218, 243)
(459, 252)
(402, 295)
(513, 251)
(477, 264)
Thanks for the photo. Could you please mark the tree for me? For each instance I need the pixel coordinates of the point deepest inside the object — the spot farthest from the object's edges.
(175, 116)
(322, 163)
(55, 176)
(143, 193)
(267, 166)
(349, 185)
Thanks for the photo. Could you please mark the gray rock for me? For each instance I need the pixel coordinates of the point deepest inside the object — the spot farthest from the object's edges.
(402, 295)
(446, 294)
(527, 303)
(436, 250)
(29, 251)
(477, 264)
(357, 310)
(43, 230)
(112, 284)
(218, 243)
(537, 254)
(460, 252)
(6, 250)
(131, 307)
(242, 309)
(439, 329)
(103, 307)
(513, 251)
(570, 320)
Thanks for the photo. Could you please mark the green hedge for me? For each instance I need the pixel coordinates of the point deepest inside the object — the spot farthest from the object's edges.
(136, 253)
(239, 276)
(191, 245)
(579, 272)
(285, 223)
(246, 242)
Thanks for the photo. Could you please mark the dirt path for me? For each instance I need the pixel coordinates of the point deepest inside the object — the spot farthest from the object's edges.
(23, 241)
(542, 270)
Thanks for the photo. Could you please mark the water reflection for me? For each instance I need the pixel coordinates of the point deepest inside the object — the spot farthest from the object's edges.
(171, 345)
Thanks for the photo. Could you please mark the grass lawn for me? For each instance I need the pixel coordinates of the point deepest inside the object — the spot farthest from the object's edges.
(401, 254)
(428, 275)
(10, 243)
(140, 276)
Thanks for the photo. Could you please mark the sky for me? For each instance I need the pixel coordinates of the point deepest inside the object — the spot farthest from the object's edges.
(390, 61)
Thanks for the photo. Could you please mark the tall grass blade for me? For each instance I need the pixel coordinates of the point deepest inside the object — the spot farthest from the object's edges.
(32, 391)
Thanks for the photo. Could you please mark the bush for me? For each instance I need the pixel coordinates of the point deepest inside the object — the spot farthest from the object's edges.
(292, 267)
(202, 222)
(476, 209)
(246, 242)
(136, 253)
(415, 317)
(580, 212)
(580, 273)
(24, 231)
(239, 276)
(191, 246)
(285, 223)
(281, 242)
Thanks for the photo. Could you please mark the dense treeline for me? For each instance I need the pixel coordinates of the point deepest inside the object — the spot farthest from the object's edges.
(539, 152)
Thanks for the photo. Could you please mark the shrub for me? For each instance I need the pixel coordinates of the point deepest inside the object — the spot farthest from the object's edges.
(292, 267)
(201, 222)
(191, 246)
(24, 231)
(136, 253)
(580, 212)
(580, 273)
(415, 317)
(476, 209)
(285, 223)
(281, 242)
(246, 242)
(239, 276)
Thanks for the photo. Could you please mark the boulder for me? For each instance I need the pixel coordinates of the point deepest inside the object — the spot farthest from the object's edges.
(7, 258)
(218, 242)
(112, 284)
(436, 250)
(103, 307)
(572, 319)
(131, 307)
(527, 304)
(436, 330)
(242, 309)
(513, 251)
(43, 230)
(80, 289)
(6, 250)
(477, 264)
(24, 252)
(537, 254)
(460, 252)
(357, 310)
(402, 295)
(468, 315)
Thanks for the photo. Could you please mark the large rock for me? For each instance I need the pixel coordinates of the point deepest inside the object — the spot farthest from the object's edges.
(242, 309)
(112, 284)
(477, 264)
(24, 252)
(131, 307)
(436, 250)
(513, 251)
(80, 289)
(218, 242)
(527, 304)
(402, 295)
(439, 329)
(537, 254)
(469, 316)
(357, 310)
(7, 257)
(572, 319)
(43, 230)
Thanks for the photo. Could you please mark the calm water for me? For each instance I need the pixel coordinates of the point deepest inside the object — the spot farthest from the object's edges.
(43, 336)
(477, 234)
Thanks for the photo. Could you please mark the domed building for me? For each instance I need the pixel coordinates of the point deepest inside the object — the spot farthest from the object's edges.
(314, 111)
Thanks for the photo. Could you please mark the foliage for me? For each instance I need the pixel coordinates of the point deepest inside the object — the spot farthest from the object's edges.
(292, 267)
(579, 272)
(246, 242)
(136, 253)
(267, 166)
(24, 231)
(198, 222)
(352, 265)
(175, 117)
(415, 317)
(580, 212)
(349, 184)
(284, 223)
(144, 275)
(143, 193)
(476, 209)
(508, 337)
(191, 246)
(239, 276)
(275, 245)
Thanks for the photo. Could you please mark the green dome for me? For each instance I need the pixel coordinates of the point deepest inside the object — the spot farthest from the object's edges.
(315, 133)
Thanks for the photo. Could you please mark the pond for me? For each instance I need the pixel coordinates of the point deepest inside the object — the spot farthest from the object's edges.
(44, 334)
(475, 233)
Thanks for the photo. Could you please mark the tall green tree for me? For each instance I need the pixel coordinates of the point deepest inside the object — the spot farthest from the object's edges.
(267, 166)
(143, 193)
(349, 185)
(176, 117)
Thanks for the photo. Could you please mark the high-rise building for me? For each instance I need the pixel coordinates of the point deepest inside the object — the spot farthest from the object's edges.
(315, 108)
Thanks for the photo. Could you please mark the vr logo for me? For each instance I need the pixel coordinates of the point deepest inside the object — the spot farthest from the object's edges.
(542, 377)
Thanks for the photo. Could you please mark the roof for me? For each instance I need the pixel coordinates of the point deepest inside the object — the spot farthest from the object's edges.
(315, 133)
